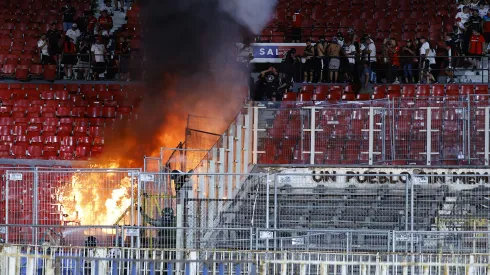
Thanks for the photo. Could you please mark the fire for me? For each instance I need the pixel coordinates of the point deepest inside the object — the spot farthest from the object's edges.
(96, 198)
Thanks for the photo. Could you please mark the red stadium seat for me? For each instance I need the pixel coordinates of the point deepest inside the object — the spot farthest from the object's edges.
(423, 91)
(305, 96)
(437, 90)
(50, 73)
(96, 131)
(408, 91)
(34, 151)
(290, 96)
(63, 111)
(93, 111)
(467, 89)
(108, 112)
(81, 152)
(19, 151)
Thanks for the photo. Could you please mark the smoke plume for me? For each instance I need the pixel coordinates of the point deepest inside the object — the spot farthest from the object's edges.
(189, 55)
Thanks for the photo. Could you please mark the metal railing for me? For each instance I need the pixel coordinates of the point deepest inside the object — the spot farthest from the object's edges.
(406, 69)
(89, 66)
(79, 260)
(295, 208)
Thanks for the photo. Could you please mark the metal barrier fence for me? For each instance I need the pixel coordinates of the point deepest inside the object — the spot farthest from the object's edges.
(116, 260)
(448, 131)
(345, 210)
(89, 66)
(260, 239)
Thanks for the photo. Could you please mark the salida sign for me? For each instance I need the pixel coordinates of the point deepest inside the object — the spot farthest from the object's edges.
(393, 175)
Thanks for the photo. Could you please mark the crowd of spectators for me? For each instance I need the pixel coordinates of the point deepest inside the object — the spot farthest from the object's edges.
(85, 48)
(356, 59)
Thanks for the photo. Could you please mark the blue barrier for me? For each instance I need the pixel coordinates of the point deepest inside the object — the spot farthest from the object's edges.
(76, 265)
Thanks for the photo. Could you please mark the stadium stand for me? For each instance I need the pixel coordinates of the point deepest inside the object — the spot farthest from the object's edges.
(396, 19)
(58, 121)
(309, 208)
(342, 122)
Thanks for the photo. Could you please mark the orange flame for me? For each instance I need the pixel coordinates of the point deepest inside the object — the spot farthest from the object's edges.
(96, 198)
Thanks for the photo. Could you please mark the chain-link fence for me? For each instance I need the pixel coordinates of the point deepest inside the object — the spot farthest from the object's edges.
(70, 197)
(429, 211)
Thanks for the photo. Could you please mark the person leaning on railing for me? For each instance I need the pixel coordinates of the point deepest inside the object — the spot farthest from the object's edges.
(167, 224)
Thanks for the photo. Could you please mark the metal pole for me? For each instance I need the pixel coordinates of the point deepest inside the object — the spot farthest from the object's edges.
(7, 208)
(312, 135)
(246, 142)
(468, 118)
(429, 136)
(254, 134)
(487, 135)
(383, 136)
(275, 211)
(35, 206)
(406, 205)
(267, 202)
(371, 135)
(393, 147)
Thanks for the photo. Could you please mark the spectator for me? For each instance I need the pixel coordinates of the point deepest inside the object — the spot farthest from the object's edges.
(474, 4)
(486, 27)
(267, 84)
(73, 33)
(393, 52)
(42, 45)
(125, 59)
(449, 61)
(319, 59)
(340, 39)
(116, 5)
(384, 64)
(461, 19)
(474, 23)
(308, 54)
(463, 4)
(368, 77)
(416, 61)
(408, 56)
(90, 22)
(333, 53)
(370, 54)
(482, 9)
(68, 13)
(98, 51)
(83, 65)
(105, 21)
(291, 66)
(54, 37)
(297, 24)
(350, 53)
(476, 49)
(424, 64)
(69, 57)
(433, 71)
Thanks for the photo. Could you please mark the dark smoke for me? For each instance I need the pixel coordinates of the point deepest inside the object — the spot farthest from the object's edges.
(186, 46)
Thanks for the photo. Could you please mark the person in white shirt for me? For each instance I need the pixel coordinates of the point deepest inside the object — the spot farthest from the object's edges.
(474, 4)
(42, 45)
(462, 17)
(73, 33)
(425, 47)
(482, 9)
(371, 48)
(350, 52)
(98, 55)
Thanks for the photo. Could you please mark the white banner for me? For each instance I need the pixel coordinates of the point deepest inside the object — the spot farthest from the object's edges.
(374, 176)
